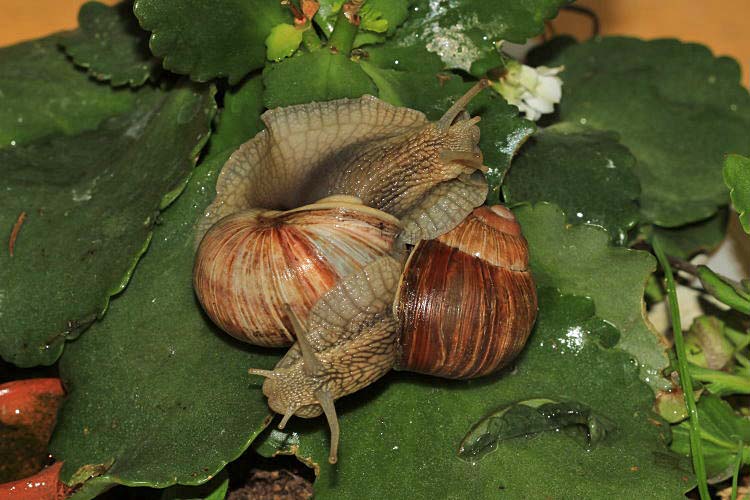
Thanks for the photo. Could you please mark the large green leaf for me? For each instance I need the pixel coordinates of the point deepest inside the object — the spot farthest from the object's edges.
(210, 39)
(676, 107)
(465, 34)
(580, 260)
(400, 438)
(90, 201)
(314, 76)
(737, 178)
(111, 45)
(42, 93)
(588, 173)
(155, 386)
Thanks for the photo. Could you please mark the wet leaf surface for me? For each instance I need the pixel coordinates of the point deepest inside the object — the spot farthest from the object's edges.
(155, 386)
(737, 178)
(526, 418)
(408, 428)
(580, 260)
(210, 39)
(587, 173)
(43, 93)
(676, 107)
(465, 34)
(111, 45)
(90, 203)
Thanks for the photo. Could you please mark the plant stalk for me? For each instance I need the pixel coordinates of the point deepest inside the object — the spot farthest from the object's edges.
(346, 27)
(696, 446)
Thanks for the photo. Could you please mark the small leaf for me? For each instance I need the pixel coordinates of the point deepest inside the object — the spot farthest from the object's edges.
(588, 173)
(315, 76)
(737, 179)
(678, 109)
(42, 93)
(282, 42)
(111, 45)
(210, 39)
(525, 418)
(91, 202)
(381, 16)
(724, 434)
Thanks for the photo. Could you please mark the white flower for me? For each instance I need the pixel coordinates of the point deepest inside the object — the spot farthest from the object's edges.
(535, 91)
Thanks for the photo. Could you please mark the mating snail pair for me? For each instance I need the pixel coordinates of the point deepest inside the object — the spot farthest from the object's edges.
(306, 245)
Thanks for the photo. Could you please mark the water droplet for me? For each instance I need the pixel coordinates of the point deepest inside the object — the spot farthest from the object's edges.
(583, 121)
(733, 107)
(12, 143)
(712, 79)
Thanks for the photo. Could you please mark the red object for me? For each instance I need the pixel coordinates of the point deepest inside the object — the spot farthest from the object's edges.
(29, 408)
(44, 485)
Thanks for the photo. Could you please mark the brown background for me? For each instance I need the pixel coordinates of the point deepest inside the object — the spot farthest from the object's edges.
(720, 24)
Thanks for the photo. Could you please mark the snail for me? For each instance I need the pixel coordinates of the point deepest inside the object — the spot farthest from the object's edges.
(416, 183)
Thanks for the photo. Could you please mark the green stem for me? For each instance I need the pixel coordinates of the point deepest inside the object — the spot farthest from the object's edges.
(344, 31)
(736, 475)
(696, 446)
(310, 39)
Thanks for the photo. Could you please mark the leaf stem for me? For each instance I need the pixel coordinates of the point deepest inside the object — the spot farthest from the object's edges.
(736, 476)
(346, 27)
(696, 446)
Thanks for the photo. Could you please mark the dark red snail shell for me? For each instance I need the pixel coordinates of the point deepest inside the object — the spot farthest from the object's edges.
(466, 300)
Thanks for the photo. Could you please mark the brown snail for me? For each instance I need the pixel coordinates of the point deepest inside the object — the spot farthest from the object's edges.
(427, 176)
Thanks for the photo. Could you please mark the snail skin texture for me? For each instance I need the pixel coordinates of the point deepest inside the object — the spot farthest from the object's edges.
(413, 180)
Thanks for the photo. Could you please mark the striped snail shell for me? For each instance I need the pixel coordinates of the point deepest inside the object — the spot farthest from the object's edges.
(466, 301)
(254, 262)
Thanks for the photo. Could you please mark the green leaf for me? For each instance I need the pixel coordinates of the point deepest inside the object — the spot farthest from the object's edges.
(172, 397)
(586, 172)
(676, 107)
(724, 434)
(239, 119)
(282, 42)
(215, 489)
(580, 260)
(314, 76)
(111, 45)
(502, 130)
(210, 39)
(699, 237)
(42, 93)
(414, 58)
(90, 203)
(408, 428)
(737, 179)
(466, 34)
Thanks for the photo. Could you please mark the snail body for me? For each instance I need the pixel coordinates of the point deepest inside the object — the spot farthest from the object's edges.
(422, 179)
